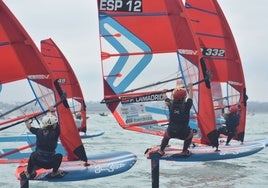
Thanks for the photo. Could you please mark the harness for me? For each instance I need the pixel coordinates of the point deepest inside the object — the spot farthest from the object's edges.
(47, 140)
(179, 116)
(232, 122)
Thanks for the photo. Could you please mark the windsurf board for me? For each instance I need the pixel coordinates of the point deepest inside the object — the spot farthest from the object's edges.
(207, 153)
(101, 165)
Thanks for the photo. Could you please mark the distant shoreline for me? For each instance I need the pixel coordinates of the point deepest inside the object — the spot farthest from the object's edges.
(252, 107)
(97, 107)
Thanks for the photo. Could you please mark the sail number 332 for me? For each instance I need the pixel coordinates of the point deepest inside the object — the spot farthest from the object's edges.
(120, 5)
(213, 52)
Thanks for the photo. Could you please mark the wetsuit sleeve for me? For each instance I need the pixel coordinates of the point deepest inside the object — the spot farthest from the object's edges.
(168, 103)
(34, 130)
(57, 130)
(167, 100)
(189, 104)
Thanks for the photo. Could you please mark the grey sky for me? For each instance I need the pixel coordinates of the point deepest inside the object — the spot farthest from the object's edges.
(73, 25)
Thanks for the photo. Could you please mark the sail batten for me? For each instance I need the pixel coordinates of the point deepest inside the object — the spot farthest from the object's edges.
(211, 35)
(205, 10)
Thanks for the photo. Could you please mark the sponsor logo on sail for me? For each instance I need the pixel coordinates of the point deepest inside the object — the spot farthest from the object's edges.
(187, 51)
(235, 83)
(38, 76)
(144, 98)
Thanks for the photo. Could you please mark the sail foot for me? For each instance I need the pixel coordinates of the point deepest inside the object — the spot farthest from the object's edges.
(240, 136)
(213, 138)
(81, 153)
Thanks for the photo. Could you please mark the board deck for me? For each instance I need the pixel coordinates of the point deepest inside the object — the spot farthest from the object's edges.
(207, 153)
(101, 165)
(60, 175)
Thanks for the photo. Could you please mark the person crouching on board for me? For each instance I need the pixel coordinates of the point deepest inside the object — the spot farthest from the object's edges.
(232, 120)
(179, 116)
(46, 142)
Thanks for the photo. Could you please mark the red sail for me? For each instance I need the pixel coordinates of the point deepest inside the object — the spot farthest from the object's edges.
(142, 37)
(61, 69)
(21, 59)
(220, 53)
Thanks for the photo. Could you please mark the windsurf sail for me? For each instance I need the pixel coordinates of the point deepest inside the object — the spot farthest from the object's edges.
(61, 69)
(146, 49)
(221, 56)
(22, 64)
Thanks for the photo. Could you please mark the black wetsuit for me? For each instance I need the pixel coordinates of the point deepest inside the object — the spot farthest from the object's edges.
(179, 116)
(232, 122)
(46, 143)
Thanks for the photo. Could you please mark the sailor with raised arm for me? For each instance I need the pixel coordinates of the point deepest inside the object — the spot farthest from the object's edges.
(179, 116)
(45, 155)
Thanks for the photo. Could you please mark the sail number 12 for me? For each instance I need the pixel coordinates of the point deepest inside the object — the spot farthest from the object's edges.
(120, 5)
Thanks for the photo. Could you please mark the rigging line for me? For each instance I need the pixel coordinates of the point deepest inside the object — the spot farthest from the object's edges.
(128, 99)
(150, 85)
(223, 107)
(187, 68)
(16, 108)
(225, 98)
(17, 150)
(63, 100)
(25, 104)
(35, 94)
(23, 111)
(24, 114)
(35, 116)
(14, 119)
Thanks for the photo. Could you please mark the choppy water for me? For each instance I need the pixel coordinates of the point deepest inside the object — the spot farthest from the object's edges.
(247, 172)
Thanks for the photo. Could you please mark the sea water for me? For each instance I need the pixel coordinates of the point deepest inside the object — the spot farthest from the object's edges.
(246, 172)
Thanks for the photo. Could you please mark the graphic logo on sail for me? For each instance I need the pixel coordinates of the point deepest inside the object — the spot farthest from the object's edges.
(129, 55)
(187, 51)
(38, 76)
(144, 98)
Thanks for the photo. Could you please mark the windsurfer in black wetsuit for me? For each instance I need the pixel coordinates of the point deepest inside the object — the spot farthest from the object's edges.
(232, 120)
(46, 142)
(179, 116)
